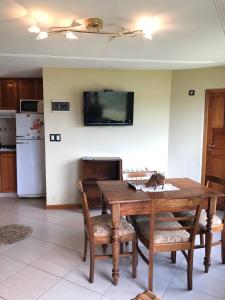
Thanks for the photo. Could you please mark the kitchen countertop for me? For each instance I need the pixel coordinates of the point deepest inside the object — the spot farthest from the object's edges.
(7, 151)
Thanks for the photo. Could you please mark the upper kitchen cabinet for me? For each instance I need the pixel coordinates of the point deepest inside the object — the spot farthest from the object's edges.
(12, 90)
(9, 94)
(38, 89)
(25, 89)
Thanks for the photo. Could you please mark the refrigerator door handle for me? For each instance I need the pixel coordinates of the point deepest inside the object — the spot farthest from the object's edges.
(19, 136)
(21, 143)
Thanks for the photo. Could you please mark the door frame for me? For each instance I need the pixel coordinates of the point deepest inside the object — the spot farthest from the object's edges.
(205, 131)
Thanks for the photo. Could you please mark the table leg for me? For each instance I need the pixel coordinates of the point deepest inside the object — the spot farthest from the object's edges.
(115, 242)
(104, 212)
(208, 237)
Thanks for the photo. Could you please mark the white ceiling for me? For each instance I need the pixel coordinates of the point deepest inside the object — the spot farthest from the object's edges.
(192, 35)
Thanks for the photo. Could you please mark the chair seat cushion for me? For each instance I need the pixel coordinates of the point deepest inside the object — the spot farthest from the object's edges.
(102, 226)
(161, 236)
(216, 221)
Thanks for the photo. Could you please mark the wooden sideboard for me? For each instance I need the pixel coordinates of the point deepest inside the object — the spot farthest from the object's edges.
(98, 168)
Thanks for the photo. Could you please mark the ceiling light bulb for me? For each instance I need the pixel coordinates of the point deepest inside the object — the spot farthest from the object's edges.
(148, 26)
(34, 29)
(148, 35)
(71, 36)
(42, 35)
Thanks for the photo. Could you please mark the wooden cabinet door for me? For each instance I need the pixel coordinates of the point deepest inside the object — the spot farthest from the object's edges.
(26, 89)
(38, 88)
(8, 172)
(9, 94)
(215, 154)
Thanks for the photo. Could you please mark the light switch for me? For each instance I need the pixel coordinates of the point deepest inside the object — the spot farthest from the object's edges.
(55, 137)
(58, 137)
(52, 137)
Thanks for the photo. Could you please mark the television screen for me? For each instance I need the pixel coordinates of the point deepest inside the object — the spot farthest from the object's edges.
(108, 108)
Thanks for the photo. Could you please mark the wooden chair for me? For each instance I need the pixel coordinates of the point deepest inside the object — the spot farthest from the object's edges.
(147, 295)
(217, 223)
(164, 232)
(98, 231)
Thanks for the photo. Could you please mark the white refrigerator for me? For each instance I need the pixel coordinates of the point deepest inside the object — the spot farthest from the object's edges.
(30, 155)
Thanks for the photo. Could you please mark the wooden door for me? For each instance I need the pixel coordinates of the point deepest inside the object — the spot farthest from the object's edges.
(214, 145)
(9, 94)
(8, 172)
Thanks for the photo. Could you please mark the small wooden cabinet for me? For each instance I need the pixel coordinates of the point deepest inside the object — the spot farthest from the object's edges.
(12, 90)
(8, 172)
(98, 168)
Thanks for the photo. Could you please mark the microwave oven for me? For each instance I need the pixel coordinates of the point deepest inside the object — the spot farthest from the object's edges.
(32, 106)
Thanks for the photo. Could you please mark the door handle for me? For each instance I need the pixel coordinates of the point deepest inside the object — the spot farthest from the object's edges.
(20, 143)
(211, 147)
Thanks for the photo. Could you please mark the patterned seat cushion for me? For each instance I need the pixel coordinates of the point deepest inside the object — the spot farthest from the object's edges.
(163, 237)
(202, 220)
(102, 226)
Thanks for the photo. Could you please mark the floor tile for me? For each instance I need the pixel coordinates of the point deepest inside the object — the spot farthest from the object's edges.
(211, 283)
(102, 276)
(27, 284)
(58, 261)
(51, 232)
(52, 216)
(8, 267)
(176, 293)
(75, 242)
(29, 250)
(75, 221)
(65, 290)
(128, 287)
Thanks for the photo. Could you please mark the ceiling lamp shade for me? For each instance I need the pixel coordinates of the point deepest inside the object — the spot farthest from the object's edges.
(34, 29)
(71, 36)
(42, 35)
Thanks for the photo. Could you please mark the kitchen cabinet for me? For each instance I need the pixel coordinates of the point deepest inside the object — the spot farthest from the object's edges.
(38, 89)
(25, 89)
(12, 90)
(9, 99)
(8, 172)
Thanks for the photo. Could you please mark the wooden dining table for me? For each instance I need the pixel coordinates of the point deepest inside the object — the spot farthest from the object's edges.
(123, 200)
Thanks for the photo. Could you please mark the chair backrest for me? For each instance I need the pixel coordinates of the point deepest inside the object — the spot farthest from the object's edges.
(85, 209)
(137, 174)
(176, 205)
(214, 179)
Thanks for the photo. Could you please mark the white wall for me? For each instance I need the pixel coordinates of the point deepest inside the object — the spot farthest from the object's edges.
(187, 119)
(143, 144)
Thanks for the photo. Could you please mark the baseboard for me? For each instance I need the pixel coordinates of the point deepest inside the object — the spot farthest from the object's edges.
(63, 206)
(8, 195)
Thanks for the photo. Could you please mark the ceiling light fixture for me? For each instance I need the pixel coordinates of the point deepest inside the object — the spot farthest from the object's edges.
(93, 26)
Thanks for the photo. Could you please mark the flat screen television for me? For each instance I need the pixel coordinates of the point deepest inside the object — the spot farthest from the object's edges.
(108, 108)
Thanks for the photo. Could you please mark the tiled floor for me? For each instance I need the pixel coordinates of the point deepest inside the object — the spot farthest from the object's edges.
(48, 264)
